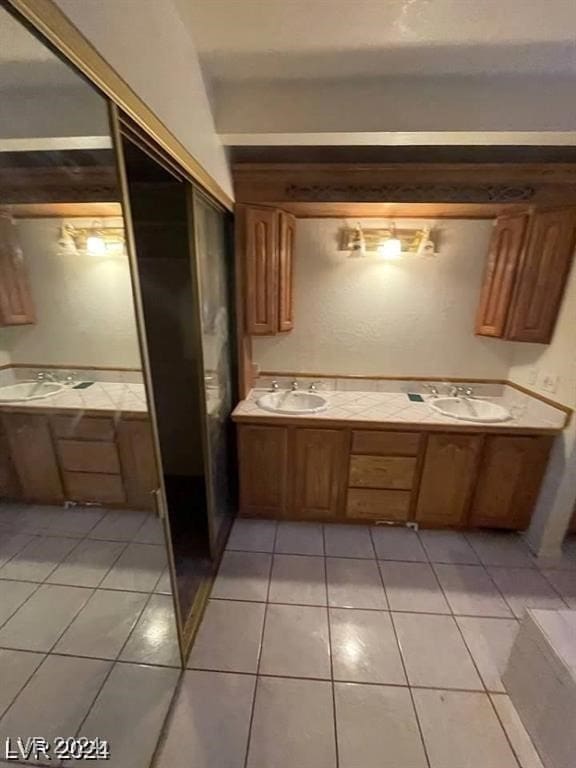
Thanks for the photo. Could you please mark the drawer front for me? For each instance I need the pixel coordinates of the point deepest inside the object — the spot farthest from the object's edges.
(91, 486)
(382, 472)
(378, 505)
(83, 427)
(386, 443)
(88, 456)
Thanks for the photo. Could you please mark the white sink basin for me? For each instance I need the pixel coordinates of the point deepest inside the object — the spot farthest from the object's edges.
(29, 390)
(470, 409)
(292, 402)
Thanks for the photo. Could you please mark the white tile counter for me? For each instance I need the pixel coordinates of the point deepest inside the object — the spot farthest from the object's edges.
(394, 408)
(100, 396)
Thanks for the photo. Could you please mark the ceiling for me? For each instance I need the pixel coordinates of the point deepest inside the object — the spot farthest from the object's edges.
(241, 40)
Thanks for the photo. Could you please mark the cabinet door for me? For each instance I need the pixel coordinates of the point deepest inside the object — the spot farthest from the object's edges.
(33, 456)
(286, 272)
(543, 275)
(138, 462)
(500, 274)
(319, 471)
(261, 286)
(263, 456)
(510, 476)
(16, 307)
(448, 476)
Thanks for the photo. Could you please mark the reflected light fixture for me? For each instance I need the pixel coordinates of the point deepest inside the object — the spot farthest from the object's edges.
(357, 242)
(390, 247)
(96, 240)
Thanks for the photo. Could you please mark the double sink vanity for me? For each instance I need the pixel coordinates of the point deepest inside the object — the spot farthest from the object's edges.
(437, 455)
(64, 440)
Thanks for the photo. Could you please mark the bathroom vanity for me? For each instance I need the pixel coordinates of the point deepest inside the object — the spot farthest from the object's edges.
(86, 446)
(353, 463)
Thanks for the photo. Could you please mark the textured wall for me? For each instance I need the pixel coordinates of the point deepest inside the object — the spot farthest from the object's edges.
(84, 305)
(414, 317)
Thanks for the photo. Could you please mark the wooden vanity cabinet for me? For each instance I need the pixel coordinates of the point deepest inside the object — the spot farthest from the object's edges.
(34, 456)
(263, 466)
(437, 479)
(448, 479)
(509, 479)
(266, 240)
(16, 306)
(526, 273)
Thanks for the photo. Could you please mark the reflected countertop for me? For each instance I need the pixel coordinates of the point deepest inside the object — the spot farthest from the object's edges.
(99, 396)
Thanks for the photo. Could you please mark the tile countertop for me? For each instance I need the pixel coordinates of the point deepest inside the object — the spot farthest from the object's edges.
(394, 408)
(101, 396)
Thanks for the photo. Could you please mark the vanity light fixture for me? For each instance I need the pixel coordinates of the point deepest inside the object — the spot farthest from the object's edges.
(390, 243)
(96, 240)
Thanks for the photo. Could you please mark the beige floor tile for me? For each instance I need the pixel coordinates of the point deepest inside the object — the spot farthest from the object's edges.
(243, 576)
(447, 547)
(12, 595)
(154, 639)
(348, 541)
(298, 579)
(501, 549)
(434, 653)
(470, 591)
(397, 544)
(525, 588)
(252, 535)
(300, 539)
(295, 642)
(354, 584)
(209, 723)
(293, 725)
(377, 727)
(490, 642)
(461, 730)
(16, 668)
(229, 637)
(413, 587)
(564, 582)
(364, 647)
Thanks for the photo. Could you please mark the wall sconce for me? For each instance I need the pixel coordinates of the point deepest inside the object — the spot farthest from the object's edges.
(96, 240)
(390, 243)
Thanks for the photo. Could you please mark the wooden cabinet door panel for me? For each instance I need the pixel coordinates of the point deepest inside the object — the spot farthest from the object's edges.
(500, 274)
(319, 471)
(385, 443)
(510, 476)
(546, 262)
(286, 272)
(263, 457)
(382, 472)
(88, 456)
(33, 456)
(261, 285)
(448, 475)
(95, 487)
(16, 306)
(138, 460)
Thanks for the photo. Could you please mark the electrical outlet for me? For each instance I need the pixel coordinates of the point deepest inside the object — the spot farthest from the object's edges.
(549, 382)
(532, 376)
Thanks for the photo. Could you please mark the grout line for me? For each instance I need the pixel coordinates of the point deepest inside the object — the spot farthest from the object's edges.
(330, 653)
(401, 655)
(266, 604)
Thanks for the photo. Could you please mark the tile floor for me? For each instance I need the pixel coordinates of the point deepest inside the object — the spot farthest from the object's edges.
(87, 635)
(360, 647)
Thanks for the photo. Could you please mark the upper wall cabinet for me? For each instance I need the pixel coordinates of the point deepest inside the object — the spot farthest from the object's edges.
(16, 307)
(266, 240)
(526, 272)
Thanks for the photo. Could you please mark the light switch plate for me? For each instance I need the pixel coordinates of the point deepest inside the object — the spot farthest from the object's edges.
(549, 382)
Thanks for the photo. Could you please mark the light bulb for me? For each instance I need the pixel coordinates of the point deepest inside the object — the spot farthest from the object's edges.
(95, 245)
(391, 248)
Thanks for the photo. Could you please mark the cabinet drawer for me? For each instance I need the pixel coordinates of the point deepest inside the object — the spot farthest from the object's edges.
(88, 456)
(382, 472)
(91, 486)
(378, 505)
(386, 443)
(84, 427)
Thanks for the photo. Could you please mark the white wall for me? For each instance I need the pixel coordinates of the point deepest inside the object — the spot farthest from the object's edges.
(4, 357)
(414, 317)
(150, 47)
(558, 495)
(85, 312)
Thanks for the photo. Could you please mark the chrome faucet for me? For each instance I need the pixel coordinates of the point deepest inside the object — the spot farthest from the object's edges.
(45, 376)
(274, 387)
(313, 387)
(461, 391)
(432, 388)
(294, 386)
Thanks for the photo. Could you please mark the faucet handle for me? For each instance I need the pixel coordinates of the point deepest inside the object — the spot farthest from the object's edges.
(432, 388)
(313, 386)
(294, 386)
(274, 387)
